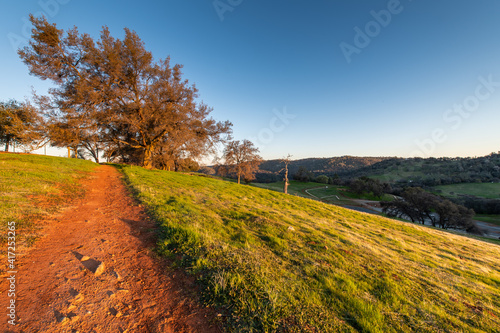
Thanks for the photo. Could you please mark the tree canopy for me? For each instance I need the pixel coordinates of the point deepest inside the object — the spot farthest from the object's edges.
(241, 158)
(426, 208)
(21, 124)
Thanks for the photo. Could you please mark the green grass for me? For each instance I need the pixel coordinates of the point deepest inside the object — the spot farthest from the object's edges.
(294, 187)
(482, 190)
(366, 196)
(32, 186)
(493, 219)
(316, 191)
(327, 193)
(279, 263)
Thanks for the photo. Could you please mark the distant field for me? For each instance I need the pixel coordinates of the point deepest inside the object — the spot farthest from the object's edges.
(329, 193)
(272, 262)
(326, 192)
(294, 188)
(493, 219)
(317, 191)
(385, 197)
(483, 190)
(34, 185)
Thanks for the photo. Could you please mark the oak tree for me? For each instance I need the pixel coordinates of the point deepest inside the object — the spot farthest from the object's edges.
(114, 90)
(242, 159)
(21, 124)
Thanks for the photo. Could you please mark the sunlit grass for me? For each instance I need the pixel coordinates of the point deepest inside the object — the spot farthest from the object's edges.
(32, 186)
(275, 262)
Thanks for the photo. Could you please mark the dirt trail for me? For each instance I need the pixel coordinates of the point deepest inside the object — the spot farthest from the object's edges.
(93, 271)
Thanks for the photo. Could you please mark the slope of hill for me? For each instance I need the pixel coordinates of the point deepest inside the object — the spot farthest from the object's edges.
(275, 262)
(33, 185)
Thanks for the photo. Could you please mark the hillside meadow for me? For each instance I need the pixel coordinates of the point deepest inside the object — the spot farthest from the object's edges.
(280, 263)
(32, 186)
(482, 190)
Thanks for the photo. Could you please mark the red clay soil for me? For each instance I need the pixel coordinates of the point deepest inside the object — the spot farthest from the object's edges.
(94, 271)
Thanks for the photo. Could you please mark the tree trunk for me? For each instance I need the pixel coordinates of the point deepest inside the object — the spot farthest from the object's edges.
(148, 157)
(96, 157)
(285, 189)
(7, 145)
(239, 173)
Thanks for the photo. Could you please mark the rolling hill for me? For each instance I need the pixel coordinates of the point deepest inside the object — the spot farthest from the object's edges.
(274, 262)
(270, 262)
(395, 170)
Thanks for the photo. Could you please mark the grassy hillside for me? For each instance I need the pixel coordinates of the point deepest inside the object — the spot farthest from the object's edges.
(34, 185)
(273, 262)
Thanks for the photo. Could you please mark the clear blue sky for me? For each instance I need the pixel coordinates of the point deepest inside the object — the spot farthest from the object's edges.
(367, 78)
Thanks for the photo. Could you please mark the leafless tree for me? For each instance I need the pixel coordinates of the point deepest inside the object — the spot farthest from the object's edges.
(286, 160)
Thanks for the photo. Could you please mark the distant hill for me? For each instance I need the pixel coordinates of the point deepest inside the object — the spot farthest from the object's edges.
(432, 171)
(318, 166)
(428, 172)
